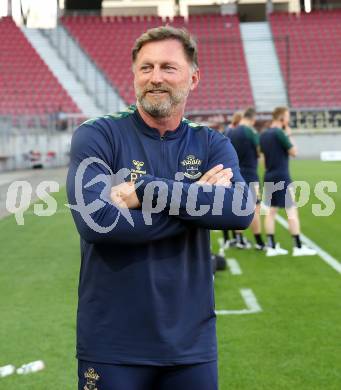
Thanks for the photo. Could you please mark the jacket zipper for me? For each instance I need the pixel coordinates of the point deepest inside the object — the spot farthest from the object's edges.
(162, 141)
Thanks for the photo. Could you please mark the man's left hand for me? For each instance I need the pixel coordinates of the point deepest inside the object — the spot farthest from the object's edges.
(217, 176)
(124, 195)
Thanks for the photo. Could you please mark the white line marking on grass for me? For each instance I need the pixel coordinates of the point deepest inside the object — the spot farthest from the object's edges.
(220, 242)
(326, 257)
(59, 211)
(250, 302)
(234, 266)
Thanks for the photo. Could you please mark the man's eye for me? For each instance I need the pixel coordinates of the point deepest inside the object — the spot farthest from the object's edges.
(169, 67)
(145, 68)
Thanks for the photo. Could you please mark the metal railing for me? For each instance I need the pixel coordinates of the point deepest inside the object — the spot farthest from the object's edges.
(40, 124)
(30, 141)
(95, 82)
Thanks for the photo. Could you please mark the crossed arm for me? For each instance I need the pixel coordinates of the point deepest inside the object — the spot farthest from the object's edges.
(97, 218)
(124, 195)
(217, 181)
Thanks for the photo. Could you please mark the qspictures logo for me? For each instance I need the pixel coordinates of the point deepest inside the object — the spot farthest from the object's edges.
(92, 200)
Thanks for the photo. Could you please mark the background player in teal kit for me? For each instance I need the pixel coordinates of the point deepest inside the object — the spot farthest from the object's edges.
(227, 241)
(277, 145)
(245, 140)
(146, 316)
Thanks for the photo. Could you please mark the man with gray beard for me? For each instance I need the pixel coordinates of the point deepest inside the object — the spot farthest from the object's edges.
(146, 318)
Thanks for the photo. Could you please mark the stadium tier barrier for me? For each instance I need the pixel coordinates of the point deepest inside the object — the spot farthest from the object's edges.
(52, 150)
(28, 141)
(24, 140)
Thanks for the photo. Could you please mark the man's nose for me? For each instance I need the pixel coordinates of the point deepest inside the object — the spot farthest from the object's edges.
(156, 77)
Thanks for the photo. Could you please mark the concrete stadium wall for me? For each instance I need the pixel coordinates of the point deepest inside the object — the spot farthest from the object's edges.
(15, 147)
(311, 143)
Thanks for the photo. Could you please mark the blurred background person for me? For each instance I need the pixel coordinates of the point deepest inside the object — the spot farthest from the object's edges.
(245, 140)
(277, 145)
(236, 118)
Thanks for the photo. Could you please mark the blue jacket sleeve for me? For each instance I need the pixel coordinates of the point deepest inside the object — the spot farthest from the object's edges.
(211, 207)
(89, 183)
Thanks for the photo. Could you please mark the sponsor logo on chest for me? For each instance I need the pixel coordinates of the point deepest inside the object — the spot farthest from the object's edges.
(137, 171)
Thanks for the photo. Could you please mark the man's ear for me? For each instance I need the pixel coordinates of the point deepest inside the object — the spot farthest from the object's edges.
(195, 79)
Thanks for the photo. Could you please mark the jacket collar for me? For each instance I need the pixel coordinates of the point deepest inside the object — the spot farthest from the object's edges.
(152, 131)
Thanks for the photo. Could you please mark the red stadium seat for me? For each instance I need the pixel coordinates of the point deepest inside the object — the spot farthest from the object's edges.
(225, 80)
(27, 86)
(315, 57)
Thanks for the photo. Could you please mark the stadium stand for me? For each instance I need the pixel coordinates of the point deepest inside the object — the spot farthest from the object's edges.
(27, 86)
(225, 83)
(315, 57)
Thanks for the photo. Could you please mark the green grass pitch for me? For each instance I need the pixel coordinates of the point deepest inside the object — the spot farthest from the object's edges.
(294, 343)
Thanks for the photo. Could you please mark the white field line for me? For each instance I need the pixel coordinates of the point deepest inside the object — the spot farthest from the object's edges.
(31, 212)
(58, 211)
(326, 257)
(252, 305)
(220, 241)
(234, 266)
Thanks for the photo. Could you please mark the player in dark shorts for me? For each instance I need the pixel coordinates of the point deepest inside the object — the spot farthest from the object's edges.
(227, 242)
(277, 145)
(245, 140)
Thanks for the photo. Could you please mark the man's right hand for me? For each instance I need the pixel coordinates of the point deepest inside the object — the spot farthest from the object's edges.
(217, 176)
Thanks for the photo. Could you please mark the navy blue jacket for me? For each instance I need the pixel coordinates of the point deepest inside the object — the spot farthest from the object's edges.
(146, 291)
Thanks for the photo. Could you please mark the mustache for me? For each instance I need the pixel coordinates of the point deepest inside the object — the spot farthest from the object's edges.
(157, 89)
